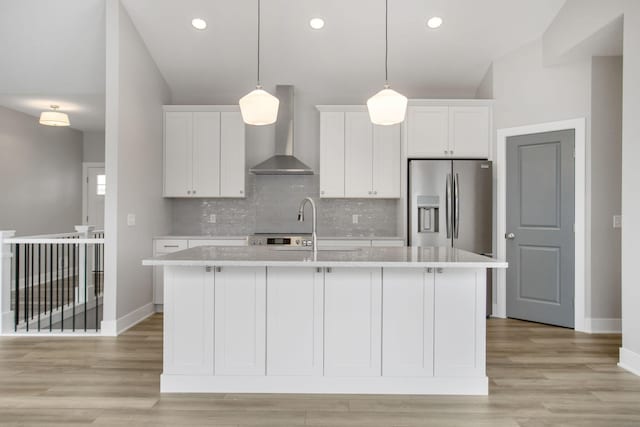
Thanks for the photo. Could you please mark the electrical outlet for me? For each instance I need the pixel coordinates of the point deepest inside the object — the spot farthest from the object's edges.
(212, 219)
(131, 220)
(354, 218)
(617, 221)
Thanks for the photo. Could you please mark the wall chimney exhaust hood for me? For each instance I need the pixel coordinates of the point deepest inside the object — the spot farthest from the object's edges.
(283, 162)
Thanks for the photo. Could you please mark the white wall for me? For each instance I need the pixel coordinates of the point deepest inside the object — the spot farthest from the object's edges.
(485, 88)
(40, 175)
(136, 92)
(606, 185)
(577, 21)
(93, 147)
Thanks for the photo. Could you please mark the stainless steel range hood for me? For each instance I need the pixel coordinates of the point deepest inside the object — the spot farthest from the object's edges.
(283, 162)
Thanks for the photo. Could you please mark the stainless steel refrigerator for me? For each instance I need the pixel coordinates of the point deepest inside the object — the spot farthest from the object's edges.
(450, 204)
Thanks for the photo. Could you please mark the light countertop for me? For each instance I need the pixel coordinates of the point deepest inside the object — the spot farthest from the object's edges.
(244, 237)
(435, 257)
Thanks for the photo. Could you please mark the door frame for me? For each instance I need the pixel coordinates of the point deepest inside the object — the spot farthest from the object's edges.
(85, 176)
(582, 278)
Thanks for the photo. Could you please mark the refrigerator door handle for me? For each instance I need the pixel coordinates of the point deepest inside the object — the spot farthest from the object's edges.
(456, 208)
(447, 205)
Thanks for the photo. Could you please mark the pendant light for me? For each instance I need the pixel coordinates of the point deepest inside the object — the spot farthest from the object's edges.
(259, 107)
(387, 107)
(54, 117)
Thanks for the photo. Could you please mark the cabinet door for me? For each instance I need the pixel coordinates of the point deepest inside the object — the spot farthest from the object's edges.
(427, 131)
(353, 310)
(294, 321)
(178, 154)
(240, 304)
(386, 161)
(206, 154)
(332, 154)
(469, 131)
(188, 321)
(232, 167)
(358, 155)
(459, 323)
(407, 322)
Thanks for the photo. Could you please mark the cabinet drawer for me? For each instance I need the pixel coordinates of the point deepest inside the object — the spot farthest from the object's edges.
(217, 242)
(166, 246)
(359, 243)
(384, 243)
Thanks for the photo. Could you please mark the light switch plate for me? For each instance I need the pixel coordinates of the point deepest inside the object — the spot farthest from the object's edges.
(354, 218)
(131, 220)
(212, 219)
(617, 221)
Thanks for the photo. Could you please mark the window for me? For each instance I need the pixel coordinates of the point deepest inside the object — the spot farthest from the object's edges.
(101, 186)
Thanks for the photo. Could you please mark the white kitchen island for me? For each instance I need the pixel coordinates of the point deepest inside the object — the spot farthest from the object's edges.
(371, 320)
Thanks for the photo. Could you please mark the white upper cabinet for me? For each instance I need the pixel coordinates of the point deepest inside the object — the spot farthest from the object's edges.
(428, 131)
(456, 131)
(332, 154)
(358, 155)
(178, 159)
(469, 131)
(358, 159)
(204, 152)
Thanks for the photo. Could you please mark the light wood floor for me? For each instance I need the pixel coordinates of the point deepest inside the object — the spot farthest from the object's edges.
(540, 376)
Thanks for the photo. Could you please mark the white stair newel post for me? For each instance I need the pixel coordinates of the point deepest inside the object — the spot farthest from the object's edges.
(84, 260)
(6, 314)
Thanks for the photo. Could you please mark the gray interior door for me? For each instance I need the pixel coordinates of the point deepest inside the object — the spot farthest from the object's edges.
(540, 223)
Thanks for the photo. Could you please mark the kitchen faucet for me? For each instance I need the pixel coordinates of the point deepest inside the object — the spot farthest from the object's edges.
(314, 223)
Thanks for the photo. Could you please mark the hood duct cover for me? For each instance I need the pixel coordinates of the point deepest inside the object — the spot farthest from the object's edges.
(283, 162)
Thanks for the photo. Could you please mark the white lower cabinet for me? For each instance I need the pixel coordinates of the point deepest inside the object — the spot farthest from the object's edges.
(407, 322)
(188, 322)
(240, 321)
(294, 321)
(353, 310)
(459, 323)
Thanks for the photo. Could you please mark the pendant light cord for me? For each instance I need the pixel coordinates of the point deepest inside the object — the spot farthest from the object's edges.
(258, 79)
(386, 42)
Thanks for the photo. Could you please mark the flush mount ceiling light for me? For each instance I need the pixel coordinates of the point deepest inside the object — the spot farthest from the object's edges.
(434, 22)
(259, 107)
(387, 107)
(199, 23)
(54, 118)
(316, 23)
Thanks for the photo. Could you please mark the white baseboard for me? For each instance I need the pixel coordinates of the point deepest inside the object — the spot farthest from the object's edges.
(114, 328)
(603, 326)
(159, 308)
(629, 361)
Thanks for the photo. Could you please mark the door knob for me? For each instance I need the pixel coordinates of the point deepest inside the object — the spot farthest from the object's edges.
(510, 236)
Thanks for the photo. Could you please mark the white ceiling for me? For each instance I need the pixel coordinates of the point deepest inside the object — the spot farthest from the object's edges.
(219, 63)
(53, 52)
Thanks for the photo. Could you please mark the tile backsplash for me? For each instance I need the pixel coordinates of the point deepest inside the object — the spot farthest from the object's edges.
(272, 204)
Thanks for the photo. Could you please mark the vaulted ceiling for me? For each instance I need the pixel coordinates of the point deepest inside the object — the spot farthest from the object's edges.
(219, 63)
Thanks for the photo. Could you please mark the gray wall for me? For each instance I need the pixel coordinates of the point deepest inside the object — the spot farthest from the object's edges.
(606, 185)
(40, 176)
(136, 92)
(272, 205)
(93, 147)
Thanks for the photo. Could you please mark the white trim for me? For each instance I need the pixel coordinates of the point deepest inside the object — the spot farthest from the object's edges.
(85, 189)
(324, 385)
(629, 361)
(114, 328)
(582, 276)
(603, 326)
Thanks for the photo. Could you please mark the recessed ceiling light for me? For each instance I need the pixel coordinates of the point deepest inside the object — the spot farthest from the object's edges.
(199, 24)
(434, 22)
(316, 23)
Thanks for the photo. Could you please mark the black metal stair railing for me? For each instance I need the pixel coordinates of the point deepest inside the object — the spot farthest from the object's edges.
(58, 283)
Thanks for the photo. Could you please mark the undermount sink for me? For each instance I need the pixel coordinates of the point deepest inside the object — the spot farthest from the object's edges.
(308, 249)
